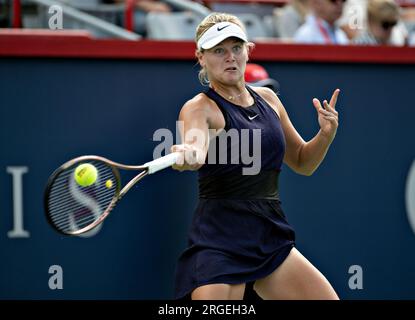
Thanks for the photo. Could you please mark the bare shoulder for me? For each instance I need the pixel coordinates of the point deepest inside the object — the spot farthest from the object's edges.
(271, 98)
(201, 107)
(199, 103)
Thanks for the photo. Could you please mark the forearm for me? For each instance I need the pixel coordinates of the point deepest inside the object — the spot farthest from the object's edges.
(312, 153)
(194, 132)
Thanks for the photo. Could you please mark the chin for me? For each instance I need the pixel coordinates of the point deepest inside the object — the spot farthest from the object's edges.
(232, 82)
(232, 79)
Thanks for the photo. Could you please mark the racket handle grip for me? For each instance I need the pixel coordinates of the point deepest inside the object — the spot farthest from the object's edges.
(161, 163)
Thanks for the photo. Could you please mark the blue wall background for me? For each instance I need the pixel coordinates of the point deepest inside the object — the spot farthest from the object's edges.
(350, 212)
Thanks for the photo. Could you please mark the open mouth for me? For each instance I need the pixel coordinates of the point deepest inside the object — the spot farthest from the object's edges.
(231, 69)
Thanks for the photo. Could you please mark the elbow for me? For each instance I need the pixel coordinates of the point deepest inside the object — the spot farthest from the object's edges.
(305, 170)
(300, 164)
(308, 173)
(303, 166)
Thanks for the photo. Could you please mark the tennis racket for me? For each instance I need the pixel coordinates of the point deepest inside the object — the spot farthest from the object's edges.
(73, 209)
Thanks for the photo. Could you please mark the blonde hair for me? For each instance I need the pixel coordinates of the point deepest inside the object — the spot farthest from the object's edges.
(382, 10)
(208, 22)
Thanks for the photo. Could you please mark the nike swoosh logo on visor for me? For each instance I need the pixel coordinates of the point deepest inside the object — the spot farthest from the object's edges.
(220, 29)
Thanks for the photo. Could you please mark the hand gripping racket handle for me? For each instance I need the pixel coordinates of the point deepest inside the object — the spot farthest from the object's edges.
(161, 163)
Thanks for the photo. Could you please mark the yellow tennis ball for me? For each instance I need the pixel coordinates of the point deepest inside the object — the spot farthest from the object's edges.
(108, 183)
(85, 174)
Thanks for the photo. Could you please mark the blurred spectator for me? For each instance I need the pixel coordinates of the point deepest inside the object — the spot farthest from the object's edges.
(382, 17)
(354, 21)
(142, 7)
(320, 26)
(411, 38)
(291, 17)
(257, 76)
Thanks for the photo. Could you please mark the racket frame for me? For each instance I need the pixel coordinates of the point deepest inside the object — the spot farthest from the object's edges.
(117, 195)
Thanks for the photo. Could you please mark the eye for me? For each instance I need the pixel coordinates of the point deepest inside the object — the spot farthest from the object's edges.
(237, 48)
(219, 50)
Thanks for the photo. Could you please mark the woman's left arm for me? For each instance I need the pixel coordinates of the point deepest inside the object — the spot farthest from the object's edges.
(305, 157)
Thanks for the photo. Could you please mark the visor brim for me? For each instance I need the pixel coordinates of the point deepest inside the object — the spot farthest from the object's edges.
(215, 41)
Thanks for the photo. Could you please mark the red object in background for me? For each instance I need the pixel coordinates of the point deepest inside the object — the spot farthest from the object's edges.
(17, 14)
(29, 43)
(255, 72)
(256, 75)
(129, 15)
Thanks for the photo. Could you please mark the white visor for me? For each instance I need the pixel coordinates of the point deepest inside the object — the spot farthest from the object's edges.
(219, 32)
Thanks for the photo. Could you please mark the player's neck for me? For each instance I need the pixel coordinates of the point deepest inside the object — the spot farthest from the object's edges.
(237, 95)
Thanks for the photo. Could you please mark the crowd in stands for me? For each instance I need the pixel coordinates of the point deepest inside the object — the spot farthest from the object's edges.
(326, 22)
(362, 22)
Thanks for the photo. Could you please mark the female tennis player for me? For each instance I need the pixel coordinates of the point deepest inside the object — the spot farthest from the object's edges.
(239, 233)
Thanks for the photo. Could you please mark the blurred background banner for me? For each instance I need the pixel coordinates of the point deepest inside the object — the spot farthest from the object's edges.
(352, 217)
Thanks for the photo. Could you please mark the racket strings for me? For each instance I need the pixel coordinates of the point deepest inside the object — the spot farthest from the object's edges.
(73, 207)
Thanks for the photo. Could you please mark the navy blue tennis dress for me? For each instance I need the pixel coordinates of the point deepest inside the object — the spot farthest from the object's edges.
(239, 232)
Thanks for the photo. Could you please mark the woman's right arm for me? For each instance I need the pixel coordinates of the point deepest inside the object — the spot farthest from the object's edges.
(194, 119)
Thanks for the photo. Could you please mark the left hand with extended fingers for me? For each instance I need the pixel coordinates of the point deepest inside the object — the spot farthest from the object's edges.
(328, 117)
